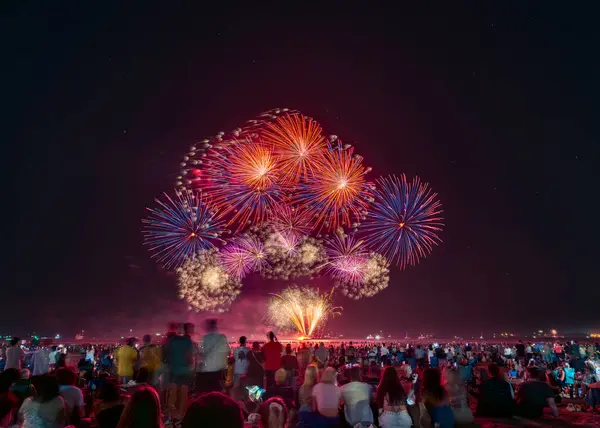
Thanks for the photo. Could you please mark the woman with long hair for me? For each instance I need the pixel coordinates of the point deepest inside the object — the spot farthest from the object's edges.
(391, 401)
(142, 410)
(311, 378)
(436, 401)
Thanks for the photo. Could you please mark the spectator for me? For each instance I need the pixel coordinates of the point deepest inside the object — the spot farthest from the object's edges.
(304, 357)
(142, 410)
(534, 395)
(326, 399)
(280, 389)
(240, 366)
(126, 356)
(150, 359)
(14, 355)
(305, 395)
(213, 410)
(72, 396)
(322, 356)
(436, 400)
(289, 362)
(273, 414)
(357, 399)
(256, 372)
(272, 352)
(496, 395)
(47, 409)
(110, 406)
(457, 394)
(391, 401)
(216, 351)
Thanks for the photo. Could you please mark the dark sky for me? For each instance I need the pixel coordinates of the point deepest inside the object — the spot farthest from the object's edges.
(496, 107)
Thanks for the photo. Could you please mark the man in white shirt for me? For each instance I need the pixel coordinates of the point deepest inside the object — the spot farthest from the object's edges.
(357, 399)
(215, 350)
(14, 355)
(41, 361)
(384, 354)
(240, 367)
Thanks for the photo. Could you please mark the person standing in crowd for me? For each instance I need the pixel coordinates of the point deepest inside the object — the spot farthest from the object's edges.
(256, 372)
(14, 355)
(41, 361)
(305, 395)
(150, 359)
(272, 351)
(289, 362)
(126, 357)
(458, 396)
(322, 356)
(351, 354)
(179, 356)
(216, 351)
(357, 400)
(304, 357)
(53, 357)
(240, 366)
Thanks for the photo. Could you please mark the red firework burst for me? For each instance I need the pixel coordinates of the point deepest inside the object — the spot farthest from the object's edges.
(299, 144)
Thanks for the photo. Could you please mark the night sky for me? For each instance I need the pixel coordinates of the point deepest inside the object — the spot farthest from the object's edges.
(495, 107)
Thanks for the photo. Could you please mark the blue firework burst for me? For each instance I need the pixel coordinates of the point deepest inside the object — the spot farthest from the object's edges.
(404, 221)
(180, 227)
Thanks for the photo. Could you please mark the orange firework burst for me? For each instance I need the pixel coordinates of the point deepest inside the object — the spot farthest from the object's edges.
(298, 142)
(338, 194)
(247, 182)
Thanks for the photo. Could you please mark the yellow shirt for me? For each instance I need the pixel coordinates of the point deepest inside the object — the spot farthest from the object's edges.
(126, 356)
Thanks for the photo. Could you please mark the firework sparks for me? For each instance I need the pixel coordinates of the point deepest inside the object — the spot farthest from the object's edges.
(347, 258)
(405, 220)
(338, 193)
(299, 143)
(302, 308)
(205, 285)
(247, 183)
(182, 227)
(290, 220)
(374, 277)
(290, 257)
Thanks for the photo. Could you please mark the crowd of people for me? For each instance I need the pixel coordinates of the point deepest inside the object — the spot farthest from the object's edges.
(213, 383)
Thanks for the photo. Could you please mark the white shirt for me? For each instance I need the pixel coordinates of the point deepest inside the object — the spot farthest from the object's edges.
(41, 415)
(72, 395)
(326, 395)
(54, 356)
(41, 360)
(216, 351)
(353, 393)
(241, 360)
(13, 357)
(384, 351)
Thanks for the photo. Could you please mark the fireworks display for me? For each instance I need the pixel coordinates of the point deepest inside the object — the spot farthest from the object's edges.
(347, 258)
(338, 193)
(374, 277)
(299, 144)
(181, 227)
(301, 308)
(300, 204)
(205, 285)
(405, 220)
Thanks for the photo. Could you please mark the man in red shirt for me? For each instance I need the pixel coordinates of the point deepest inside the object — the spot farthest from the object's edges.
(272, 352)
